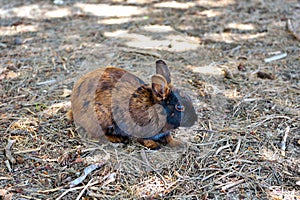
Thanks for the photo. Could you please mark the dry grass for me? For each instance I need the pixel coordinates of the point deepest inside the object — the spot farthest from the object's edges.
(245, 145)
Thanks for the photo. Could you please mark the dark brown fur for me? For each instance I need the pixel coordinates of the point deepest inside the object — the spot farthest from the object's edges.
(99, 106)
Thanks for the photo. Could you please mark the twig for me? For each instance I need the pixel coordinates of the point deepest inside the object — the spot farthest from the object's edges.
(27, 151)
(276, 57)
(215, 180)
(232, 184)
(207, 177)
(268, 118)
(207, 143)
(222, 148)
(291, 28)
(69, 190)
(108, 179)
(251, 99)
(8, 165)
(232, 51)
(150, 53)
(40, 159)
(241, 161)
(31, 112)
(50, 190)
(28, 197)
(46, 82)
(99, 196)
(86, 172)
(5, 178)
(238, 146)
(283, 141)
(93, 149)
(84, 189)
(145, 159)
(8, 153)
(75, 188)
(205, 130)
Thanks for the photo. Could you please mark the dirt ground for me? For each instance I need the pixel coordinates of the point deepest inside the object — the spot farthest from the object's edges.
(245, 144)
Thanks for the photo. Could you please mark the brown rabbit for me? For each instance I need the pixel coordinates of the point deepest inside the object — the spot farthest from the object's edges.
(114, 103)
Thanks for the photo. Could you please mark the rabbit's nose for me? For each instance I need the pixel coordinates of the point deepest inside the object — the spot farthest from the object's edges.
(189, 119)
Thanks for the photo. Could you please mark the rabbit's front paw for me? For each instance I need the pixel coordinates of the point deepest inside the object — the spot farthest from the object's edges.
(151, 144)
(173, 143)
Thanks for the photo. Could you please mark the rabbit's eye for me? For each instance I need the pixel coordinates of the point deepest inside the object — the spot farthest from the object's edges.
(179, 107)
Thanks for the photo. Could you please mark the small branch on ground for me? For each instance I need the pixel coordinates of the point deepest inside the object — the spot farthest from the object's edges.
(8, 153)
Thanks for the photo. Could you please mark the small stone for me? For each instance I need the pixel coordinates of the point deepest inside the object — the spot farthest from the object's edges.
(18, 41)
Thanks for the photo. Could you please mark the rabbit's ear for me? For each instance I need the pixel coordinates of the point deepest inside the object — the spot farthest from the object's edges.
(160, 87)
(162, 69)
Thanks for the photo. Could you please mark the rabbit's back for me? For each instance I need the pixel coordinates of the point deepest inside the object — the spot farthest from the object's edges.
(92, 98)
